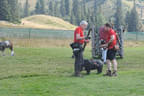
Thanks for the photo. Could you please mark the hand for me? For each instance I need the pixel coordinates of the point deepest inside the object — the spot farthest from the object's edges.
(90, 29)
(87, 38)
(87, 41)
(104, 45)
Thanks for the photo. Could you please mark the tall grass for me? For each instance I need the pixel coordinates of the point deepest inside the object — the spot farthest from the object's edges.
(51, 42)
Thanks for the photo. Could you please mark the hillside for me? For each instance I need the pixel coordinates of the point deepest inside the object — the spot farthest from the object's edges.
(42, 22)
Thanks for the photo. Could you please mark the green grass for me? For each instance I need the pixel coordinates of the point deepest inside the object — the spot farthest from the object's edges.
(48, 72)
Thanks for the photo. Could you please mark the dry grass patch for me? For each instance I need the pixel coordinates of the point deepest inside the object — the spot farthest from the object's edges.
(51, 43)
(41, 22)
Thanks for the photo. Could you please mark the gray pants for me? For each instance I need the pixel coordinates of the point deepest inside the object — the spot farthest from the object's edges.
(78, 62)
(104, 54)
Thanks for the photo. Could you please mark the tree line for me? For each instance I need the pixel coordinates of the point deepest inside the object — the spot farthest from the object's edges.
(9, 10)
(73, 11)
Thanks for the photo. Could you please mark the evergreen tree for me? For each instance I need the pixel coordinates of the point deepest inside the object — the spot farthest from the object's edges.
(100, 20)
(40, 7)
(83, 10)
(4, 10)
(26, 9)
(37, 7)
(84, 7)
(127, 19)
(95, 6)
(77, 11)
(51, 8)
(73, 19)
(68, 7)
(119, 20)
(89, 18)
(14, 11)
(21, 10)
(96, 20)
(134, 23)
(62, 8)
(56, 10)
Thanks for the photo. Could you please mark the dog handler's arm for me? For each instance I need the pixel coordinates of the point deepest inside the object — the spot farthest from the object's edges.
(78, 37)
(109, 42)
(111, 39)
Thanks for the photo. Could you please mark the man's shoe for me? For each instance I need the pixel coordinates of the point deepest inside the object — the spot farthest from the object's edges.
(73, 56)
(109, 73)
(114, 73)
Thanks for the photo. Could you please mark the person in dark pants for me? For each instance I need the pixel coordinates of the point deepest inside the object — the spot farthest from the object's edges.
(79, 38)
(78, 62)
(111, 44)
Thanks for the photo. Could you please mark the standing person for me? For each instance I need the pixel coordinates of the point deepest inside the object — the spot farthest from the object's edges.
(103, 41)
(111, 41)
(79, 39)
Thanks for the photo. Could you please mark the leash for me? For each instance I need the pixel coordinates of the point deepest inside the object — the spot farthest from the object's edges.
(87, 38)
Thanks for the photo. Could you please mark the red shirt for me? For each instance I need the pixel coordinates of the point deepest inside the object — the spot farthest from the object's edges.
(108, 37)
(102, 34)
(79, 31)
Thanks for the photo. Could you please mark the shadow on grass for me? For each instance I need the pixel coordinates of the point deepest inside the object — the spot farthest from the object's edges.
(24, 76)
(86, 75)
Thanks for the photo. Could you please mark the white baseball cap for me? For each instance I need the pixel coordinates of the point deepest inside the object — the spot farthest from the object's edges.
(83, 22)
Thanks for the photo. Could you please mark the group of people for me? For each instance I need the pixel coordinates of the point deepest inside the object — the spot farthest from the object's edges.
(108, 38)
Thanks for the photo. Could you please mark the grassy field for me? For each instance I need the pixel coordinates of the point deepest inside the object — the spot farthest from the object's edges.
(48, 72)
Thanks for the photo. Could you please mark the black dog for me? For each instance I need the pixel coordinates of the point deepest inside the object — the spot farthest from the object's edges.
(92, 65)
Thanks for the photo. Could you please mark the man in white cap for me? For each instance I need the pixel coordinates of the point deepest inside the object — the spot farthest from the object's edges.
(79, 39)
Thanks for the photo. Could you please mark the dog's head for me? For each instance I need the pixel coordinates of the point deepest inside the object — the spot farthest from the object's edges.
(86, 63)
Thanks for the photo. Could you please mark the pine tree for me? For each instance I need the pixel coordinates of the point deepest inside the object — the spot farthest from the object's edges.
(21, 10)
(37, 7)
(83, 10)
(26, 9)
(68, 7)
(119, 20)
(51, 8)
(84, 7)
(40, 7)
(14, 11)
(4, 10)
(56, 10)
(73, 19)
(127, 19)
(134, 23)
(77, 11)
(100, 20)
(89, 18)
(62, 8)
(95, 6)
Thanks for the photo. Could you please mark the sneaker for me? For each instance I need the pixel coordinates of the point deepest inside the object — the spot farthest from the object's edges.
(73, 56)
(108, 73)
(114, 73)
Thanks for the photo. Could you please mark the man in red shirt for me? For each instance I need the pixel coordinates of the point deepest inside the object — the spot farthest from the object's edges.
(79, 39)
(111, 41)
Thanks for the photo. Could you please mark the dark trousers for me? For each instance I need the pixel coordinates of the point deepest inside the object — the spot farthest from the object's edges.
(78, 62)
